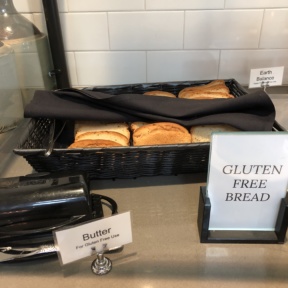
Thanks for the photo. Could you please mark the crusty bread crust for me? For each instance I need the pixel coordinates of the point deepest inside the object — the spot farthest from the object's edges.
(215, 88)
(160, 134)
(94, 126)
(202, 133)
(105, 135)
(168, 126)
(205, 95)
(158, 137)
(160, 93)
(135, 125)
(93, 144)
(212, 90)
(215, 82)
(211, 85)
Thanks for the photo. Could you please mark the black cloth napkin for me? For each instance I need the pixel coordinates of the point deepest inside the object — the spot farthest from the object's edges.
(251, 112)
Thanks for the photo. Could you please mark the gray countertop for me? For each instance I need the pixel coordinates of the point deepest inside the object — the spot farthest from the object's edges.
(166, 251)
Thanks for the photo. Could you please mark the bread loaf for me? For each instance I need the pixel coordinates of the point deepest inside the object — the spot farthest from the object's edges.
(202, 133)
(105, 135)
(160, 93)
(91, 134)
(160, 134)
(82, 127)
(213, 85)
(135, 125)
(213, 90)
(205, 95)
(93, 144)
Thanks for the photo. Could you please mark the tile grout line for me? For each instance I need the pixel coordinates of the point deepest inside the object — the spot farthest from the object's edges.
(261, 28)
(219, 62)
(146, 62)
(184, 21)
(108, 31)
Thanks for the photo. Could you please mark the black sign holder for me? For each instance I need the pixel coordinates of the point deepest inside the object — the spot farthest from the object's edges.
(234, 236)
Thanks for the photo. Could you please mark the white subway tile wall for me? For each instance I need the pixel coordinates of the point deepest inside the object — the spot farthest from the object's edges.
(106, 68)
(136, 41)
(182, 65)
(247, 4)
(32, 6)
(85, 31)
(237, 63)
(183, 4)
(146, 30)
(105, 5)
(275, 29)
(222, 29)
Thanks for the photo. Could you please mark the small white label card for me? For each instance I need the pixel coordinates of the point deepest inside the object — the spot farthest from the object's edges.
(248, 177)
(264, 77)
(83, 240)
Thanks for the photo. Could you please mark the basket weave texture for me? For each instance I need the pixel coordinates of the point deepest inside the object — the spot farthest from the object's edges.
(118, 162)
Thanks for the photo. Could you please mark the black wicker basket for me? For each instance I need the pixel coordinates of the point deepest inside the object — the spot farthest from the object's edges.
(118, 162)
(174, 87)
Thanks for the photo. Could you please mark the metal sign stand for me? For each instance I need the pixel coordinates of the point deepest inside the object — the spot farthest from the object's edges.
(101, 265)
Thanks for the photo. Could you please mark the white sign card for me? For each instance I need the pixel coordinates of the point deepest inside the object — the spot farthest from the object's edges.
(248, 177)
(86, 239)
(264, 77)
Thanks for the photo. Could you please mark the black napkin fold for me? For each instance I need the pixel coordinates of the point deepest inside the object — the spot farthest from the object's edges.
(251, 112)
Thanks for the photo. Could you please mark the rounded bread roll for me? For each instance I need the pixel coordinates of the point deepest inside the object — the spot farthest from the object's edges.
(160, 93)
